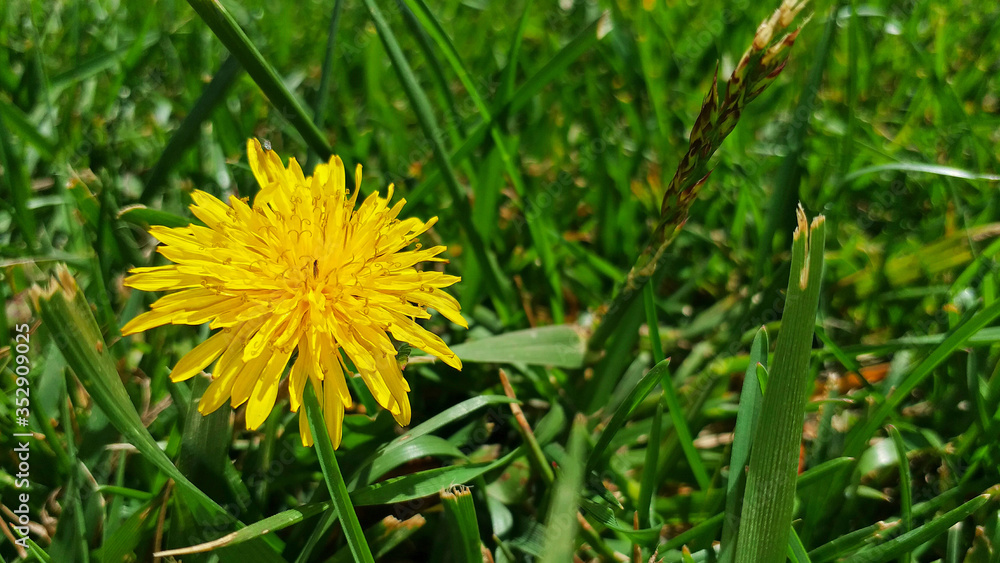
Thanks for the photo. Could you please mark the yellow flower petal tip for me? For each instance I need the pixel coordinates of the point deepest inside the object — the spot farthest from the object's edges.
(305, 269)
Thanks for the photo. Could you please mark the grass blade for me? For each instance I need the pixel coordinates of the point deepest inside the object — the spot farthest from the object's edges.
(624, 411)
(857, 439)
(487, 261)
(767, 509)
(263, 527)
(224, 26)
(561, 523)
(70, 320)
(746, 428)
(460, 512)
(907, 542)
(335, 479)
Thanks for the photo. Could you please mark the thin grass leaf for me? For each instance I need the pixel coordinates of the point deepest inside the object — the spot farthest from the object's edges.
(225, 28)
(859, 436)
(561, 522)
(556, 346)
(20, 125)
(144, 217)
(495, 280)
(253, 531)
(905, 490)
(746, 428)
(70, 321)
(796, 551)
(554, 68)
(334, 479)
(905, 543)
(425, 483)
(770, 494)
(18, 187)
(460, 513)
(624, 411)
(936, 169)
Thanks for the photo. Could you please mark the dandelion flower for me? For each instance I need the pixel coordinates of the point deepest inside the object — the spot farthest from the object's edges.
(303, 273)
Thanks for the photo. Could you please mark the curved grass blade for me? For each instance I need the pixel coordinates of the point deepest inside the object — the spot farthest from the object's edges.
(746, 428)
(253, 531)
(905, 543)
(858, 438)
(222, 24)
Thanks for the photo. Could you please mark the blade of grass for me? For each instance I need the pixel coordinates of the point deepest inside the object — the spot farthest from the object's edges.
(16, 184)
(624, 411)
(746, 429)
(335, 479)
(553, 69)
(495, 280)
(260, 528)
(460, 513)
(857, 439)
(905, 543)
(21, 125)
(905, 493)
(770, 494)
(796, 551)
(225, 28)
(561, 522)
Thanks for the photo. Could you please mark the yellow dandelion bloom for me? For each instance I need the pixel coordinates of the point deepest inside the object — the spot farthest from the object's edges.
(301, 271)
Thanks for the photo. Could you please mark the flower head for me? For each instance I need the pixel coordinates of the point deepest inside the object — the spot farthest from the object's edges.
(300, 272)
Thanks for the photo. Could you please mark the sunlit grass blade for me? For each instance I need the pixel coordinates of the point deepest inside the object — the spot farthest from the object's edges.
(770, 489)
(498, 284)
(253, 531)
(890, 550)
(335, 479)
(224, 26)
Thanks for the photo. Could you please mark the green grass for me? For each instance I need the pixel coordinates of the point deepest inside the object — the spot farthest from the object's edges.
(544, 139)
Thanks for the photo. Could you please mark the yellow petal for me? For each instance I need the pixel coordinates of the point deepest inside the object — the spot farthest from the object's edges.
(246, 380)
(333, 413)
(202, 355)
(266, 390)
